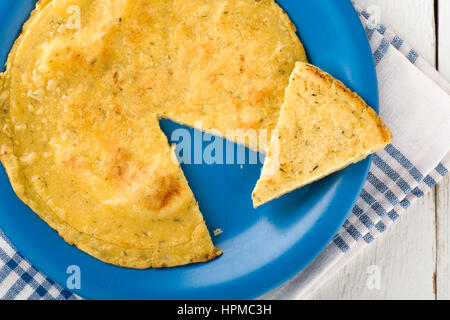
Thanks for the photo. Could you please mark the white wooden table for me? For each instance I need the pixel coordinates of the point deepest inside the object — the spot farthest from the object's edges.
(413, 257)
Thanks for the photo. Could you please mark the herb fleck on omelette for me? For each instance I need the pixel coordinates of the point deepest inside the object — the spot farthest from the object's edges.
(80, 138)
(323, 127)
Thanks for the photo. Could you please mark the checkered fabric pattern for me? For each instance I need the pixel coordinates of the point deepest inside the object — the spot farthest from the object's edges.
(395, 181)
(415, 102)
(20, 280)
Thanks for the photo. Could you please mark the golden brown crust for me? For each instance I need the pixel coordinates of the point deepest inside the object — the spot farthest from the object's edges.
(323, 128)
(384, 132)
(80, 138)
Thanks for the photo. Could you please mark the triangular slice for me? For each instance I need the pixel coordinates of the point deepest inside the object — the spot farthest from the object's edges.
(323, 127)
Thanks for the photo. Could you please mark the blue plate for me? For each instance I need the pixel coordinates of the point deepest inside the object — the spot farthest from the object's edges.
(262, 248)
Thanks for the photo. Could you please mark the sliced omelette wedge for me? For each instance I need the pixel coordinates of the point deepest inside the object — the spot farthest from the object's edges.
(85, 86)
(323, 128)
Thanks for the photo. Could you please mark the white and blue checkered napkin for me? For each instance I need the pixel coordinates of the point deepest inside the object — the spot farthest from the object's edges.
(414, 102)
(20, 280)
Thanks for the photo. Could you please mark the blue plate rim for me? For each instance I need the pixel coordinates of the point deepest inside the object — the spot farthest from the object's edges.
(364, 167)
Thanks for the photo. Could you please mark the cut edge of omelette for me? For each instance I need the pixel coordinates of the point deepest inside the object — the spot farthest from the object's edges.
(323, 128)
(198, 248)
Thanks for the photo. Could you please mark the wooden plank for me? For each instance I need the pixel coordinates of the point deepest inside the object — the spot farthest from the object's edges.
(443, 189)
(443, 240)
(405, 255)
